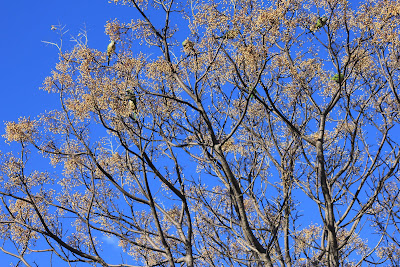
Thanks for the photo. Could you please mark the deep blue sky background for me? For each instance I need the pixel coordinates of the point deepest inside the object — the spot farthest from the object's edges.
(26, 61)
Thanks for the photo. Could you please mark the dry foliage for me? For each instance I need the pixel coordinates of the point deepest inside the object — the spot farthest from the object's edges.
(239, 148)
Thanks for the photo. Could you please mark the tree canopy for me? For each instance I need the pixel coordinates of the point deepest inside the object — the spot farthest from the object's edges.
(244, 133)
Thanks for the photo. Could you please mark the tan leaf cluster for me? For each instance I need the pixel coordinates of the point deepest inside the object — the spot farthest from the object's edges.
(23, 131)
(392, 251)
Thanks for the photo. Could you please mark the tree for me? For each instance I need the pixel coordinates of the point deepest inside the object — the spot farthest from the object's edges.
(240, 152)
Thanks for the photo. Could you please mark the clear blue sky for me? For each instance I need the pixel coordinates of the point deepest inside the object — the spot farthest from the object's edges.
(26, 60)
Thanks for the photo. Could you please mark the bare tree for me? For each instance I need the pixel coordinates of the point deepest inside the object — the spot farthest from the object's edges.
(267, 138)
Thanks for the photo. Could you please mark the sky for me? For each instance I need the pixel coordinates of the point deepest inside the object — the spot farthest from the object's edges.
(27, 60)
